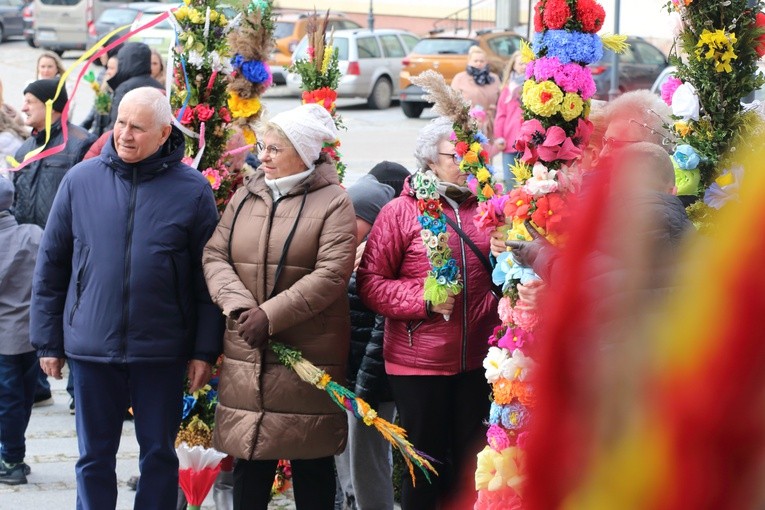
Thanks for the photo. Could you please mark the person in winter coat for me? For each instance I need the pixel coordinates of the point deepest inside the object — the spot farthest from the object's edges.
(133, 71)
(278, 266)
(507, 123)
(12, 136)
(433, 364)
(18, 361)
(364, 469)
(480, 87)
(37, 183)
(119, 291)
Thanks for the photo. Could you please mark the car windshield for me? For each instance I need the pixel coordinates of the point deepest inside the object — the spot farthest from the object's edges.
(149, 16)
(443, 46)
(301, 52)
(283, 29)
(118, 16)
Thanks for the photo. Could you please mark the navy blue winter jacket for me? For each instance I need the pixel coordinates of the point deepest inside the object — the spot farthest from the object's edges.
(119, 272)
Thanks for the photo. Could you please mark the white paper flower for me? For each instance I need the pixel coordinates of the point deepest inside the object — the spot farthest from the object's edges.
(197, 457)
(196, 59)
(517, 366)
(542, 181)
(493, 363)
(685, 102)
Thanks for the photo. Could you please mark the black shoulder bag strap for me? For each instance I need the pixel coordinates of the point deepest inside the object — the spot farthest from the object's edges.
(496, 290)
(287, 243)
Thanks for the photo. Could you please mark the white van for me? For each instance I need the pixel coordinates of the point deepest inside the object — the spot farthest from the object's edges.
(62, 25)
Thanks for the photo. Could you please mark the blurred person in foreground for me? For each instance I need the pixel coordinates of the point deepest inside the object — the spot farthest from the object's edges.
(364, 469)
(433, 353)
(278, 266)
(18, 361)
(479, 86)
(130, 311)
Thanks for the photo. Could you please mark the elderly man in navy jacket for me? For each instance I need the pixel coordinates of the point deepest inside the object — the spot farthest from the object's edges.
(119, 291)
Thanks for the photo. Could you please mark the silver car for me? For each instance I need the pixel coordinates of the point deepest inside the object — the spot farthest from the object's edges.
(370, 62)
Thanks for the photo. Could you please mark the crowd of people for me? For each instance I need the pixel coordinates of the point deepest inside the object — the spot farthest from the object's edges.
(114, 260)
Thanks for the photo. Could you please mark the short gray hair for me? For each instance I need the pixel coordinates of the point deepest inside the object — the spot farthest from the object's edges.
(153, 99)
(426, 149)
(646, 109)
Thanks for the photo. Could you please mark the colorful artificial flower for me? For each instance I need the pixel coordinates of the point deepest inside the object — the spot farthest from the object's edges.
(542, 180)
(725, 188)
(497, 438)
(668, 89)
(490, 212)
(460, 148)
(514, 417)
(254, 70)
(507, 272)
(682, 128)
(548, 212)
(241, 107)
(505, 391)
(188, 116)
(686, 157)
(324, 96)
(759, 22)
(544, 99)
(590, 15)
(685, 102)
(213, 177)
(572, 106)
(521, 171)
(498, 470)
(686, 181)
(569, 46)
(224, 114)
(204, 112)
(517, 366)
(525, 319)
(505, 499)
(556, 14)
(518, 232)
(514, 338)
(717, 46)
(492, 363)
(518, 203)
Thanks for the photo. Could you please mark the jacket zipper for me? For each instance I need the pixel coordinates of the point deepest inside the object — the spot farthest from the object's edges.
(78, 288)
(463, 359)
(411, 329)
(126, 270)
(177, 288)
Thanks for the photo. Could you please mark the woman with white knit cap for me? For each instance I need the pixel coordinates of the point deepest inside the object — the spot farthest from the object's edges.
(278, 266)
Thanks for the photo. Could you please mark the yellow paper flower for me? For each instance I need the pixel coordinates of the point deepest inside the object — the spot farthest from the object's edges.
(544, 99)
(476, 147)
(527, 54)
(682, 128)
(243, 108)
(249, 136)
(214, 15)
(521, 171)
(717, 46)
(222, 21)
(519, 232)
(497, 470)
(483, 175)
(572, 106)
(182, 12)
(327, 57)
(196, 17)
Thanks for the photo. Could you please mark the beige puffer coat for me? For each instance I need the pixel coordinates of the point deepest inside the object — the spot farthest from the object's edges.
(265, 410)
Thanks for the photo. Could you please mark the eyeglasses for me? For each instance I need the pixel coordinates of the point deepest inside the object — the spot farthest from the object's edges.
(271, 150)
(615, 144)
(454, 156)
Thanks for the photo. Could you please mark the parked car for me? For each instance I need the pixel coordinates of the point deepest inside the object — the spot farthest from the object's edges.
(160, 36)
(11, 18)
(29, 24)
(289, 29)
(115, 17)
(369, 62)
(448, 56)
(639, 66)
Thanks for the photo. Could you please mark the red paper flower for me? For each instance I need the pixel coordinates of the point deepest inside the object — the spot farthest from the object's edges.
(556, 14)
(224, 114)
(460, 148)
(518, 204)
(760, 23)
(188, 116)
(484, 155)
(204, 112)
(324, 96)
(548, 212)
(591, 15)
(538, 25)
(430, 206)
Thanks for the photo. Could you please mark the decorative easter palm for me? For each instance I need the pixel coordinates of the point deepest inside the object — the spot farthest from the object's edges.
(346, 399)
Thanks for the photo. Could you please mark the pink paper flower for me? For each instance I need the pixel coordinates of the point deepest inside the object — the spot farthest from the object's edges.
(213, 176)
(515, 338)
(505, 499)
(525, 319)
(505, 310)
(497, 438)
(491, 213)
(668, 89)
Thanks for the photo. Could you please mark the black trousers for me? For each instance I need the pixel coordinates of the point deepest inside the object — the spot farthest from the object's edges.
(443, 416)
(313, 481)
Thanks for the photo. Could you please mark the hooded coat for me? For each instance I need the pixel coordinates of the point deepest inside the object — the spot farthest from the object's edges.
(265, 411)
(133, 71)
(391, 282)
(119, 272)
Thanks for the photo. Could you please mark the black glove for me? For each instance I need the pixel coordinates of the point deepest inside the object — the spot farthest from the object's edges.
(253, 327)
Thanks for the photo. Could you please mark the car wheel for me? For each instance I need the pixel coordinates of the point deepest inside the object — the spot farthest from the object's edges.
(2, 33)
(58, 52)
(31, 42)
(380, 98)
(412, 110)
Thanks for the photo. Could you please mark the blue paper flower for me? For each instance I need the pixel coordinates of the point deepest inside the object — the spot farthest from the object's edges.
(686, 157)
(495, 414)
(480, 138)
(507, 272)
(425, 222)
(514, 417)
(255, 71)
(725, 188)
(237, 61)
(188, 404)
(437, 226)
(568, 46)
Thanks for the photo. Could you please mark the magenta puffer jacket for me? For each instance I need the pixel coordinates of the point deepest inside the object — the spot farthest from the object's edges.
(391, 279)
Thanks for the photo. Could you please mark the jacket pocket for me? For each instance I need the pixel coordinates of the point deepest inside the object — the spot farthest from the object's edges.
(78, 285)
(177, 289)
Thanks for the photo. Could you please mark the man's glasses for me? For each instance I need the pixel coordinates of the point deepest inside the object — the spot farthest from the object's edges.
(271, 150)
(615, 144)
(454, 156)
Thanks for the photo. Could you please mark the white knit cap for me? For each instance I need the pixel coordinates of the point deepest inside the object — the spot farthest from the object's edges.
(308, 126)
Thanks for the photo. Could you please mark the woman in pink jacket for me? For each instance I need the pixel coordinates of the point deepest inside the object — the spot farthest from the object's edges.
(480, 86)
(434, 364)
(507, 123)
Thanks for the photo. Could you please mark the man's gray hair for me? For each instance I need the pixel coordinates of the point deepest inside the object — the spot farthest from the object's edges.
(153, 99)
(647, 110)
(426, 148)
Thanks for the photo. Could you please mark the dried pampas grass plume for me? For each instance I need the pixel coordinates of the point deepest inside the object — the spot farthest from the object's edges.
(447, 101)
